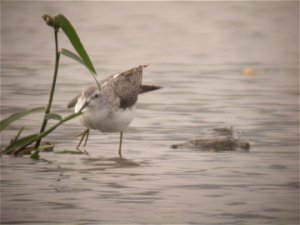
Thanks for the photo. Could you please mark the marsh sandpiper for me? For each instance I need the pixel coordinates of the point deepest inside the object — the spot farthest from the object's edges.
(110, 107)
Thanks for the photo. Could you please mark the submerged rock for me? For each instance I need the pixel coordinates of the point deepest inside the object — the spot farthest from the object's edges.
(219, 139)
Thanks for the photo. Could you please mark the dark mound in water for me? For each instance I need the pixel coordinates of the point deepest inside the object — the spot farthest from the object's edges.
(219, 139)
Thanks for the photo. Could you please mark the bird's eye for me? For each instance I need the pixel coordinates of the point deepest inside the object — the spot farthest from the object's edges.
(96, 95)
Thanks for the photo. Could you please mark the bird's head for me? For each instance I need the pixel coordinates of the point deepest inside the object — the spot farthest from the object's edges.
(88, 98)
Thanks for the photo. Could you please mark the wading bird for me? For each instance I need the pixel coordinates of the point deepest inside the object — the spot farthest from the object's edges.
(111, 106)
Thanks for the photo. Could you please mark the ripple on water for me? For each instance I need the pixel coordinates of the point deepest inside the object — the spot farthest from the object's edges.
(203, 89)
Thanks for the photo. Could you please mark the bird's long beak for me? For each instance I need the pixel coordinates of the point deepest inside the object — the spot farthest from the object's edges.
(81, 104)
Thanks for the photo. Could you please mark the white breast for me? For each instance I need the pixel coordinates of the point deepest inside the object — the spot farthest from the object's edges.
(108, 121)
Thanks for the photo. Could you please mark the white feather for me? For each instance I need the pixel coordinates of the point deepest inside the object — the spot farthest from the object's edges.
(104, 84)
(116, 75)
(108, 121)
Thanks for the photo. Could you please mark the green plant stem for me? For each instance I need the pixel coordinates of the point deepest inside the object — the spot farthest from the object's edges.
(47, 111)
(25, 141)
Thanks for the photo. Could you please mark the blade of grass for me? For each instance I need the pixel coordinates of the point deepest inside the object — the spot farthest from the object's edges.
(71, 116)
(78, 59)
(28, 150)
(69, 30)
(35, 155)
(27, 140)
(72, 55)
(70, 152)
(7, 121)
(53, 116)
(17, 135)
(20, 143)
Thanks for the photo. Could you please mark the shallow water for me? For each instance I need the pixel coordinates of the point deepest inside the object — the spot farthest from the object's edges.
(197, 51)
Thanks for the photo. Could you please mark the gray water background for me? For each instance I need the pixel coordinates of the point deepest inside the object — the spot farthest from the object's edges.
(197, 52)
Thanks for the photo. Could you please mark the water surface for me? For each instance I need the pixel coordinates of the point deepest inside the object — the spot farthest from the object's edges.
(197, 51)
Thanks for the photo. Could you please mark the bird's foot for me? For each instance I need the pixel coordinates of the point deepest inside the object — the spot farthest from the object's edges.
(84, 151)
(84, 135)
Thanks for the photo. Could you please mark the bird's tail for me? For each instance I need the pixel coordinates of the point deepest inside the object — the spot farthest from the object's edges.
(146, 88)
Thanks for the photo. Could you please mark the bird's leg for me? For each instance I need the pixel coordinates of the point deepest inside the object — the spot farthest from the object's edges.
(84, 134)
(87, 137)
(120, 144)
(86, 140)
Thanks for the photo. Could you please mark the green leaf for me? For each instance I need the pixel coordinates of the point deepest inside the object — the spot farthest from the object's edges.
(46, 148)
(21, 143)
(69, 30)
(70, 152)
(78, 59)
(71, 55)
(53, 116)
(27, 140)
(48, 131)
(17, 135)
(5, 122)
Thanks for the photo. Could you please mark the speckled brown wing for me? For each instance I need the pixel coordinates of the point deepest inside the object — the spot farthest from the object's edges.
(127, 86)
